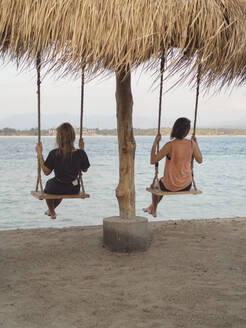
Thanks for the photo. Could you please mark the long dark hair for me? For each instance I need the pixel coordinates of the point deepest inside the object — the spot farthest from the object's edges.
(180, 128)
(65, 137)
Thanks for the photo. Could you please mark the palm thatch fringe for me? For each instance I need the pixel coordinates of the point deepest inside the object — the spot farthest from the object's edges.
(121, 35)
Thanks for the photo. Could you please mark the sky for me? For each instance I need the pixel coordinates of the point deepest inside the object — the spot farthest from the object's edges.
(60, 101)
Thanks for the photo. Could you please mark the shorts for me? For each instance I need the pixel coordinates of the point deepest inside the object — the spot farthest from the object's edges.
(163, 188)
(58, 188)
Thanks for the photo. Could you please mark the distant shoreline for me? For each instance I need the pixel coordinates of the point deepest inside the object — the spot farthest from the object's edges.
(108, 136)
(151, 132)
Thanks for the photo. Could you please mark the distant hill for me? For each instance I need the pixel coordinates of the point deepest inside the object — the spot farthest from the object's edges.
(28, 121)
(113, 132)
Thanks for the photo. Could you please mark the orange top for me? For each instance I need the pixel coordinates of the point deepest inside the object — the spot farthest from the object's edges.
(177, 172)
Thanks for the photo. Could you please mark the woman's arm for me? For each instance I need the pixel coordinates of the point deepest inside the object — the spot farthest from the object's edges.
(81, 144)
(165, 150)
(39, 150)
(196, 150)
(84, 161)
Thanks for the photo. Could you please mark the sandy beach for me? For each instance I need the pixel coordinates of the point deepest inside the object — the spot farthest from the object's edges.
(192, 275)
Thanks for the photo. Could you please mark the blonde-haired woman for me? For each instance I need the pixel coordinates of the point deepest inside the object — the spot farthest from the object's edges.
(67, 162)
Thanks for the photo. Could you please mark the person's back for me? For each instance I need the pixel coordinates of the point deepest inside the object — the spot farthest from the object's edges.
(66, 162)
(177, 172)
(178, 153)
(67, 168)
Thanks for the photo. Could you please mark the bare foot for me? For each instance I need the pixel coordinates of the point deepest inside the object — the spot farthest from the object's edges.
(154, 214)
(53, 215)
(147, 209)
(150, 211)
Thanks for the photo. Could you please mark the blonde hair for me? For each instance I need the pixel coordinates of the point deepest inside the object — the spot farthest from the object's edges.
(65, 137)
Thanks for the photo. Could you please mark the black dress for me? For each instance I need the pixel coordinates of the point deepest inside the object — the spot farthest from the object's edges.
(66, 171)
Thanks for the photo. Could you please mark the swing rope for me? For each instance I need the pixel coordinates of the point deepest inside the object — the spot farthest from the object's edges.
(155, 184)
(162, 65)
(39, 176)
(81, 123)
(198, 80)
(38, 67)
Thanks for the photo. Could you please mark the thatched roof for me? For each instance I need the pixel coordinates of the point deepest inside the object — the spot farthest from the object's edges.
(116, 34)
(242, 59)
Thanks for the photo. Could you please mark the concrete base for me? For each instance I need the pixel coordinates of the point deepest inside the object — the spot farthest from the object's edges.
(121, 235)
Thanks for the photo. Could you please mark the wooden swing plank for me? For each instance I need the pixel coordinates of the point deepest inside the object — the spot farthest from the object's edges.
(169, 193)
(41, 195)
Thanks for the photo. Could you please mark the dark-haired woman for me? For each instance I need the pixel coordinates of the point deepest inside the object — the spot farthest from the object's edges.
(178, 153)
(67, 162)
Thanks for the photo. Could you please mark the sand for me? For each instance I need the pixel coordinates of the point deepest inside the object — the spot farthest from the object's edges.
(193, 275)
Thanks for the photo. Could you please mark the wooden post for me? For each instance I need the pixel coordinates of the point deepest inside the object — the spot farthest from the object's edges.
(125, 192)
(127, 232)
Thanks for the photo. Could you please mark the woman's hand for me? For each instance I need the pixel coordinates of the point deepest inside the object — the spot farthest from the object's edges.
(158, 138)
(39, 148)
(194, 138)
(81, 144)
(196, 150)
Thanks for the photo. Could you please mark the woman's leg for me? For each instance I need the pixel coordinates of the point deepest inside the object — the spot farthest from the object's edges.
(153, 206)
(51, 209)
(57, 202)
(155, 201)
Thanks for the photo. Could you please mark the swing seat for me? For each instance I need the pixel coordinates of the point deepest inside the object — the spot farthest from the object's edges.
(42, 195)
(169, 193)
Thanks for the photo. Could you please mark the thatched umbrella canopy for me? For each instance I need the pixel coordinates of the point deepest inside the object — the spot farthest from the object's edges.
(235, 70)
(242, 55)
(118, 36)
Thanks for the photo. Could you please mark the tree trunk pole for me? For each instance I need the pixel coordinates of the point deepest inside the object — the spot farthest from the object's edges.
(127, 232)
(125, 192)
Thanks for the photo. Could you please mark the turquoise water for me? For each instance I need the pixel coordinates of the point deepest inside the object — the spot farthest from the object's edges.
(222, 178)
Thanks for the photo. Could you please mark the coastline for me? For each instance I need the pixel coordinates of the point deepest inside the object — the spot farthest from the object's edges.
(192, 275)
(107, 136)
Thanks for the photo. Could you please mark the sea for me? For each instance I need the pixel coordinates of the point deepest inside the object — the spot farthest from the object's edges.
(221, 177)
